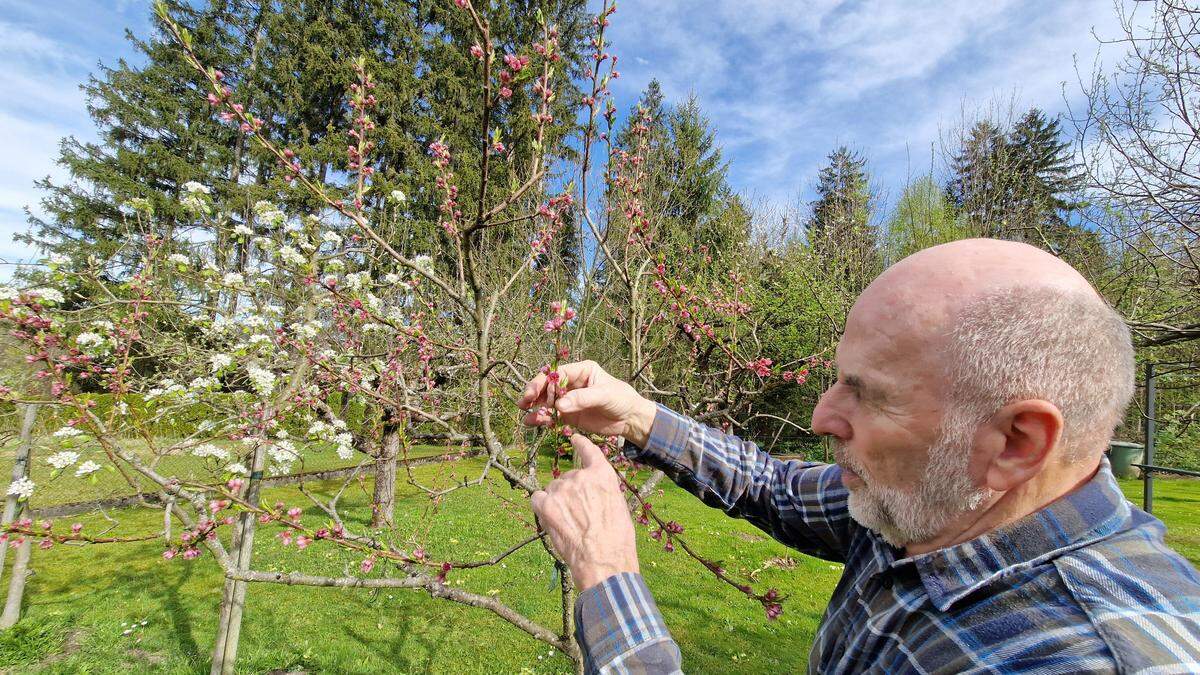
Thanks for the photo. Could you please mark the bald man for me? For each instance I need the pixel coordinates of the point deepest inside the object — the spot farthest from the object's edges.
(979, 384)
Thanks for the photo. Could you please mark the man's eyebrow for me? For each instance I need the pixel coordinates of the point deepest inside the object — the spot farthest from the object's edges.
(863, 388)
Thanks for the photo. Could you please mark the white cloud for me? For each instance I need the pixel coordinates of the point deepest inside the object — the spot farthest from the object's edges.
(785, 83)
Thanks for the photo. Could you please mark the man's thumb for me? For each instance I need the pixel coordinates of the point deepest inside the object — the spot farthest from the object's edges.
(587, 453)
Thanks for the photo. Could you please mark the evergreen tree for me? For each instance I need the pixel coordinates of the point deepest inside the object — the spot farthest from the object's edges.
(839, 230)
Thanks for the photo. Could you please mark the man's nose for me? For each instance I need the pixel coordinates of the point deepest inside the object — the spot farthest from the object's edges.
(827, 420)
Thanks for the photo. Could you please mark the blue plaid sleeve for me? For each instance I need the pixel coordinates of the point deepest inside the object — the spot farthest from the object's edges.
(801, 504)
(620, 630)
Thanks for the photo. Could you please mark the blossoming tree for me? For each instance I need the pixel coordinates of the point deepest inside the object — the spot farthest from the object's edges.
(339, 333)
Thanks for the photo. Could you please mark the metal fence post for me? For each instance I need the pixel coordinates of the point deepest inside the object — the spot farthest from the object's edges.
(1150, 427)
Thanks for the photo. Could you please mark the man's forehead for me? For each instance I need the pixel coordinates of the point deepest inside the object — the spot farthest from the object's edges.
(891, 351)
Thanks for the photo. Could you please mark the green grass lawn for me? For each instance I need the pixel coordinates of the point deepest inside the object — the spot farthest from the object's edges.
(82, 599)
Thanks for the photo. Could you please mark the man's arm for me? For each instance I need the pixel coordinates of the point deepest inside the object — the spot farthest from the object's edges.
(620, 629)
(803, 505)
(617, 623)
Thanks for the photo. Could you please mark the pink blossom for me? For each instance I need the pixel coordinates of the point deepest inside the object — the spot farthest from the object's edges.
(302, 542)
(761, 367)
(505, 92)
(477, 51)
(568, 431)
(774, 609)
(285, 537)
(46, 543)
(76, 528)
(368, 564)
(168, 554)
(294, 513)
(515, 63)
(235, 484)
(191, 553)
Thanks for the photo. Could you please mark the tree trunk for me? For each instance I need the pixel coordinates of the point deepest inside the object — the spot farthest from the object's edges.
(16, 586)
(233, 599)
(383, 501)
(20, 470)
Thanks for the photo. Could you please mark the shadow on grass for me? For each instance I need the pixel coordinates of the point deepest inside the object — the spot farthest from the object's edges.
(429, 636)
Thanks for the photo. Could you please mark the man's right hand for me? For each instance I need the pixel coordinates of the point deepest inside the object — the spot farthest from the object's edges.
(591, 400)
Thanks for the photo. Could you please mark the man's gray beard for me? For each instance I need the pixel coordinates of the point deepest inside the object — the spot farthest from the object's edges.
(911, 515)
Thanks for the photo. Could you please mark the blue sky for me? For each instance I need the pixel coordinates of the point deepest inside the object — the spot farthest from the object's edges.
(783, 82)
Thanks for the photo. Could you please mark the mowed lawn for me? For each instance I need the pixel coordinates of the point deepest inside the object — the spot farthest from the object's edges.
(121, 608)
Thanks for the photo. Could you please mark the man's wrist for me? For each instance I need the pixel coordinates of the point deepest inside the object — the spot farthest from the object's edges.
(637, 428)
(588, 576)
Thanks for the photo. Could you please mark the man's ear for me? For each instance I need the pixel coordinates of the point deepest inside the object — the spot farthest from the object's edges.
(1017, 441)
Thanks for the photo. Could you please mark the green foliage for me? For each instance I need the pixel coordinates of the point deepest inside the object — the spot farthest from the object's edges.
(923, 217)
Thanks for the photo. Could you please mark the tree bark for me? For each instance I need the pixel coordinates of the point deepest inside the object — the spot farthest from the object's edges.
(383, 500)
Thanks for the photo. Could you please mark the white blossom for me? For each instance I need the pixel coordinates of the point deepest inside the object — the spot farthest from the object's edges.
(258, 338)
(91, 341)
(179, 259)
(242, 231)
(61, 460)
(68, 432)
(87, 468)
(8, 293)
(357, 280)
(320, 430)
(21, 488)
(283, 452)
(262, 379)
(330, 279)
(233, 279)
(264, 243)
(331, 237)
(192, 187)
(238, 467)
(344, 439)
(48, 295)
(204, 383)
(345, 452)
(424, 262)
(398, 196)
(291, 256)
(58, 259)
(391, 279)
(210, 450)
(220, 361)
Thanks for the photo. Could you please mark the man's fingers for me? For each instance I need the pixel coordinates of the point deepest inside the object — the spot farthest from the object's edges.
(537, 418)
(579, 399)
(538, 501)
(587, 453)
(578, 374)
(533, 392)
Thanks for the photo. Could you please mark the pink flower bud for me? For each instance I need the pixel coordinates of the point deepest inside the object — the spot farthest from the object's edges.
(368, 564)
(76, 528)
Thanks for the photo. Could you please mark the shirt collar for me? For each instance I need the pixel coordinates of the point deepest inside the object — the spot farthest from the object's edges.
(1094, 511)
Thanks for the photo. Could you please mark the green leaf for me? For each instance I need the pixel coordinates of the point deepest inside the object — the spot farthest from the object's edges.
(553, 579)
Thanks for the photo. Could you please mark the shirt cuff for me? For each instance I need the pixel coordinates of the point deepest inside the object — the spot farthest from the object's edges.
(616, 617)
(668, 436)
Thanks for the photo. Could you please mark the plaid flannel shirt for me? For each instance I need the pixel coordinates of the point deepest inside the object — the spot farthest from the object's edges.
(1084, 585)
